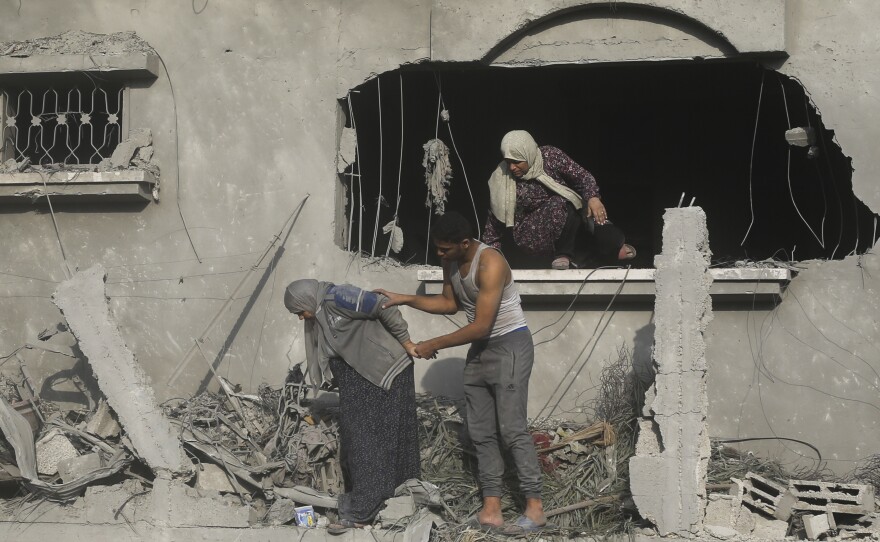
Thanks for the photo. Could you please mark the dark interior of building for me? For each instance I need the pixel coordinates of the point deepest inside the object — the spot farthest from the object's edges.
(653, 135)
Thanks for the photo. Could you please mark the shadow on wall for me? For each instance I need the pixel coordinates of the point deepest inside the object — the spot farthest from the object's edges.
(642, 358)
(444, 378)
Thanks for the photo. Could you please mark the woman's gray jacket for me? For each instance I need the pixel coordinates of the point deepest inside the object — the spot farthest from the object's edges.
(362, 333)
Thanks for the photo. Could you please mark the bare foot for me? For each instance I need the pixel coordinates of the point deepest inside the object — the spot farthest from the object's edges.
(535, 511)
(490, 514)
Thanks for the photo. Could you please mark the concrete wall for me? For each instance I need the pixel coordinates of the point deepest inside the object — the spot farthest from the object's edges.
(252, 127)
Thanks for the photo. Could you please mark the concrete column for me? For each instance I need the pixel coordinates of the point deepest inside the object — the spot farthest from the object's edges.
(120, 376)
(668, 472)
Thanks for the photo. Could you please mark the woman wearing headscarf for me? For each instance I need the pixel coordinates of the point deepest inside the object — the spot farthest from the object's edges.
(551, 204)
(367, 351)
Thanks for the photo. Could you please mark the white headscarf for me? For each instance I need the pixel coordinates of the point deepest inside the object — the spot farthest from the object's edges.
(306, 295)
(520, 146)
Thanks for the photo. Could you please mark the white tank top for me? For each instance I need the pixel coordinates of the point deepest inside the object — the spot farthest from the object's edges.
(510, 315)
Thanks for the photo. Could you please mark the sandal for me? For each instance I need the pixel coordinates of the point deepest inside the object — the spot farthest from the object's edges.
(561, 262)
(627, 252)
(524, 526)
(474, 523)
(342, 525)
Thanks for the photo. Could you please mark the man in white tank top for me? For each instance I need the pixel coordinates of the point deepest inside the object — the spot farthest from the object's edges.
(498, 367)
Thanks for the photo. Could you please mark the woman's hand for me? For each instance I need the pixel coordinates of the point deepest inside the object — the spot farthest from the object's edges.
(410, 348)
(596, 209)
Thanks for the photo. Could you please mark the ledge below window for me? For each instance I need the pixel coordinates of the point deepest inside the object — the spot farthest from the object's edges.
(130, 66)
(132, 185)
(737, 285)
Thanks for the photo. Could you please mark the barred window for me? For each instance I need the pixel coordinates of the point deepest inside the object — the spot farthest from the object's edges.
(69, 125)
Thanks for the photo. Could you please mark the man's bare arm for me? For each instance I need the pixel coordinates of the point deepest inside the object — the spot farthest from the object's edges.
(492, 276)
(442, 303)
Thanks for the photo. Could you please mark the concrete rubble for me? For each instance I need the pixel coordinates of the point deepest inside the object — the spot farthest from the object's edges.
(261, 456)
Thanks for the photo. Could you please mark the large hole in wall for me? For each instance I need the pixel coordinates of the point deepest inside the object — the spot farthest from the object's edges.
(648, 132)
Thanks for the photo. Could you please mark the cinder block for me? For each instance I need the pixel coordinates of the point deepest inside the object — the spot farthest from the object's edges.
(767, 496)
(832, 497)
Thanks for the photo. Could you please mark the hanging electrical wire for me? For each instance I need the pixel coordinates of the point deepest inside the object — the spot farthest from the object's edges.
(788, 173)
(379, 199)
(395, 241)
(751, 159)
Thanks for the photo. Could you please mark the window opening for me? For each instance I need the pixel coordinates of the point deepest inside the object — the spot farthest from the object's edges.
(648, 132)
(62, 124)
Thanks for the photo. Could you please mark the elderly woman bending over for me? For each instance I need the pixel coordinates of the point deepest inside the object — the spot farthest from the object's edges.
(551, 205)
(367, 350)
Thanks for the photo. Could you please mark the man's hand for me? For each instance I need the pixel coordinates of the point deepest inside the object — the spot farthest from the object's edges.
(424, 350)
(410, 348)
(393, 299)
(596, 209)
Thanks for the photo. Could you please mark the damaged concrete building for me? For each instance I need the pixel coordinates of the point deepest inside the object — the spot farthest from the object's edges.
(194, 158)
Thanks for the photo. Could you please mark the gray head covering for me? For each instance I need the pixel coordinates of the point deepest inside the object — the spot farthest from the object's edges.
(519, 145)
(306, 295)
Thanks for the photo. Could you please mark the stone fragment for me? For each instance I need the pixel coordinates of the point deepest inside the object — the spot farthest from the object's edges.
(721, 533)
(720, 511)
(77, 467)
(125, 150)
(213, 478)
(191, 507)
(51, 449)
(816, 525)
(770, 529)
(396, 509)
(116, 504)
(281, 512)
(102, 424)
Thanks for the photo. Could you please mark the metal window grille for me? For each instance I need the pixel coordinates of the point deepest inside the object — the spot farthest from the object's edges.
(61, 125)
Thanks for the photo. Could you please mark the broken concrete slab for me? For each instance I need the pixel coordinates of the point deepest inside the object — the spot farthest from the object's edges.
(668, 473)
(816, 525)
(52, 449)
(121, 378)
(282, 512)
(77, 467)
(769, 529)
(396, 509)
(126, 149)
(211, 477)
(191, 507)
(103, 424)
(119, 503)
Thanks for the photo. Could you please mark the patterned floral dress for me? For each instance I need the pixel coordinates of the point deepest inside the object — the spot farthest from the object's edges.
(540, 212)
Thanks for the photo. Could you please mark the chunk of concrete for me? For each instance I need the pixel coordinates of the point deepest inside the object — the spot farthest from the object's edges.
(816, 525)
(396, 509)
(121, 378)
(770, 529)
(213, 478)
(720, 511)
(102, 424)
(191, 507)
(281, 512)
(76, 467)
(53, 448)
(117, 503)
(721, 533)
(125, 150)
